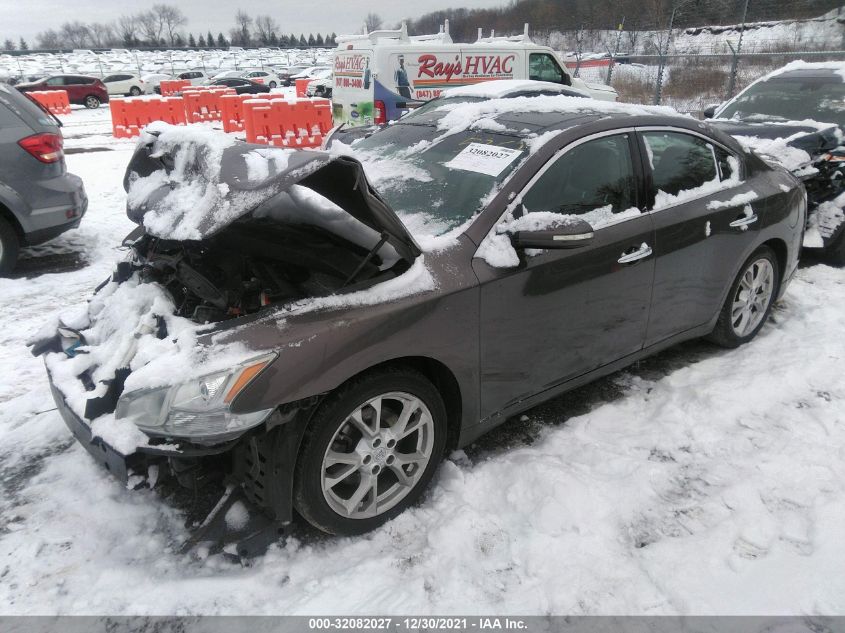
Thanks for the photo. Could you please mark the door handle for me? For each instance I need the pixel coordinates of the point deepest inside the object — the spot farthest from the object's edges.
(643, 251)
(744, 220)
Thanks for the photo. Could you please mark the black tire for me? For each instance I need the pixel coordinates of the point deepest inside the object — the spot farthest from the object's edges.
(9, 246)
(134, 91)
(272, 84)
(92, 102)
(308, 496)
(835, 253)
(724, 333)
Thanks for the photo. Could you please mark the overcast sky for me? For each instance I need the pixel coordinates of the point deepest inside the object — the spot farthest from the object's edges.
(28, 17)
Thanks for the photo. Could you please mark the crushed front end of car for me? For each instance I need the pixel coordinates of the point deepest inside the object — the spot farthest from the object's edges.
(162, 375)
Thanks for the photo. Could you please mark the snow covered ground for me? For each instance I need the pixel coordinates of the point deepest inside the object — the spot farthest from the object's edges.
(701, 481)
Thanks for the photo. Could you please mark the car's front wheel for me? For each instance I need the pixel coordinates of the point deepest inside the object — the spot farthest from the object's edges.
(273, 84)
(92, 102)
(370, 451)
(134, 91)
(750, 300)
(9, 246)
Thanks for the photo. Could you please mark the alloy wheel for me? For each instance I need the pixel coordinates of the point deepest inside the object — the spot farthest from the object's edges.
(377, 455)
(92, 102)
(752, 297)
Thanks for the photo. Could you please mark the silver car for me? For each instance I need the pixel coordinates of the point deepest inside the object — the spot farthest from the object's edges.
(39, 199)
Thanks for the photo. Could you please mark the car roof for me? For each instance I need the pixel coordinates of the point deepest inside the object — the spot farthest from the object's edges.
(809, 70)
(531, 115)
(502, 88)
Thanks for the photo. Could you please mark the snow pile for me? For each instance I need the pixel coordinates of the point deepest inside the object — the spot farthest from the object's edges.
(740, 198)
(498, 251)
(177, 203)
(824, 221)
(261, 162)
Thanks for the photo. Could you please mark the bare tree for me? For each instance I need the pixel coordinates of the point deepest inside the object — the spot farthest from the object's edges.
(150, 27)
(127, 29)
(243, 22)
(372, 22)
(265, 27)
(102, 34)
(171, 18)
(75, 34)
(48, 39)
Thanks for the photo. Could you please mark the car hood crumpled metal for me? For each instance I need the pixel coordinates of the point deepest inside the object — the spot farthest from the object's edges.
(237, 192)
(813, 139)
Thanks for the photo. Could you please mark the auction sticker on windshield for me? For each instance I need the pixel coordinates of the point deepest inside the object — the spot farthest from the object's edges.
(484, 159)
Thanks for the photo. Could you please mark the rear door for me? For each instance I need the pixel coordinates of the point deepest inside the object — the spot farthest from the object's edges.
(561, 313)
(705, 222)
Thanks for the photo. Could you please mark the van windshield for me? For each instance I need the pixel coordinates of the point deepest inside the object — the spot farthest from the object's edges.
(434, 181)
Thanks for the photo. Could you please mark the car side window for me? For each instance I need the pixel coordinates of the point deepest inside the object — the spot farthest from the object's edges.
(679, 162)
(56, 81)
(595, 179)
(112, 78)
(728, 164)
(543, 67)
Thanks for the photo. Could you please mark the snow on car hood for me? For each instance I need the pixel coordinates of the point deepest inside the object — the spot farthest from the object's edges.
(188, 184)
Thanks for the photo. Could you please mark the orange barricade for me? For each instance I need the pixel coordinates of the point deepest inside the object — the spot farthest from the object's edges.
(301, 85)
(204, 104)
(130, 116)
(232, 110)
(293, 124)
(55, 101)
(170, 87)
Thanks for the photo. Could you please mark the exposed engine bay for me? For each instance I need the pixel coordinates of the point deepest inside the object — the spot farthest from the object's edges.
(251, 264)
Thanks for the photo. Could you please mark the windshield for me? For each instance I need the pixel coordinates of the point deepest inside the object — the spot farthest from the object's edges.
(436, 183)
(791, 99)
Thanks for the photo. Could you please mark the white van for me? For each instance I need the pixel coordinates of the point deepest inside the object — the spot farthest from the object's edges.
(380, 76)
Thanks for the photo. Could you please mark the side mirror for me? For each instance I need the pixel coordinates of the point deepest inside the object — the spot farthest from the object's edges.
(710, 111)
(574, 234)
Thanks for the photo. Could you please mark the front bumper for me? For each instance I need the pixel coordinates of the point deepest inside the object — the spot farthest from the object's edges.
(117, 463)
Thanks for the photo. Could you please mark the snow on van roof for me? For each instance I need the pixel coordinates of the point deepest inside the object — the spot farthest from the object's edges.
(499, 88)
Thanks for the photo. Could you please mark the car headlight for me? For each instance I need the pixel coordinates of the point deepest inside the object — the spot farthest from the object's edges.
(197, 410)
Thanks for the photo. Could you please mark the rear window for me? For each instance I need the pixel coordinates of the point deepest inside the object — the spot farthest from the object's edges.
(15, 102)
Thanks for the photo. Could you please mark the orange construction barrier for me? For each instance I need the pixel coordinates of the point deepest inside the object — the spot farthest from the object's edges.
(55, 101)
(204, 104)
(130, 116)
(295, 124)
(170, 87)
(232, 110)
(301, 85)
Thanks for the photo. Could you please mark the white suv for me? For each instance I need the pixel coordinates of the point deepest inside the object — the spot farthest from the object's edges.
(268, 78)
(122, 84)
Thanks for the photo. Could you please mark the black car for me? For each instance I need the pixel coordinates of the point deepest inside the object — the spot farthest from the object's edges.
(326, 327)
(241, 86)
(797, 115)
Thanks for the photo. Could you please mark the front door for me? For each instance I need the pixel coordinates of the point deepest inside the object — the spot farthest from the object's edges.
(561, 313)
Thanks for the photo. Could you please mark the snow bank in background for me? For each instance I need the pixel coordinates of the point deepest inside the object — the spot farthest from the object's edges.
(824, 221)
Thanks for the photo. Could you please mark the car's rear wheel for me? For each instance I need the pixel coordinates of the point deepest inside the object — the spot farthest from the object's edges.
(750, 300)
(370, 451)
(134, 91)
(92, 102)
(9, 246)
(273, 84)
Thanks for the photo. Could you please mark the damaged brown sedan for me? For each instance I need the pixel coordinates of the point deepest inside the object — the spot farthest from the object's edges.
(275, 316)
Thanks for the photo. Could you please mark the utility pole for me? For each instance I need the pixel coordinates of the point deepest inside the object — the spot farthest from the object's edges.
(615, 50)
(579, 49)
(735, 63)
(658, 87)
